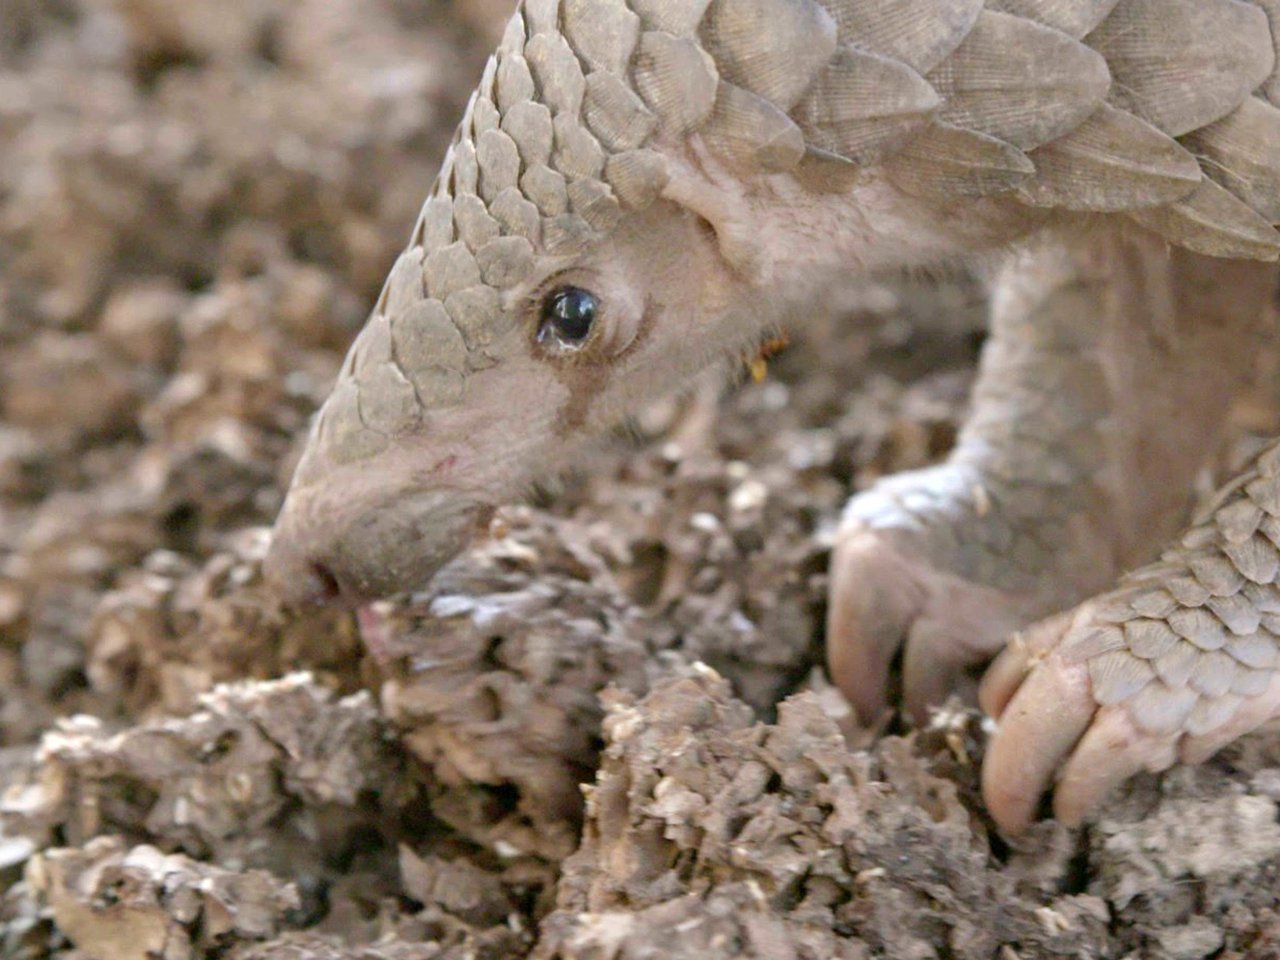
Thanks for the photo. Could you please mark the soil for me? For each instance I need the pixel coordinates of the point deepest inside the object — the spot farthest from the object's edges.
(603, 733)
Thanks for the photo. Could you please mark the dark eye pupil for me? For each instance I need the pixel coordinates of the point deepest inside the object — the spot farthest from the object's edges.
(569, 315)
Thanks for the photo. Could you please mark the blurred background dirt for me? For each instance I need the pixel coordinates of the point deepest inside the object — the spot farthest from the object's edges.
(603, 733)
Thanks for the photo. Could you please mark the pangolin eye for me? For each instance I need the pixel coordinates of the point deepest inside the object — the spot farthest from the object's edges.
(568, 316)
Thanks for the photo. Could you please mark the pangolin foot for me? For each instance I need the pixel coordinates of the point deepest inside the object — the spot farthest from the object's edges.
(911, 575)
(1178, 662)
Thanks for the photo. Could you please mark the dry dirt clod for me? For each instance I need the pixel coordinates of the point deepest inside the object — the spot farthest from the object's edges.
(121, 904)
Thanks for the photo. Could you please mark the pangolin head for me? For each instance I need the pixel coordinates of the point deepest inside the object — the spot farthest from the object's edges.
(552, 283)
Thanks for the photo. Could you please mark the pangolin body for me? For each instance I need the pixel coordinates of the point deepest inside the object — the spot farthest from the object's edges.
(696, 170)
(1163, 111)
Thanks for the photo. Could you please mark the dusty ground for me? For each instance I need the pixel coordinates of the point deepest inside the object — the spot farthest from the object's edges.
(198, 200)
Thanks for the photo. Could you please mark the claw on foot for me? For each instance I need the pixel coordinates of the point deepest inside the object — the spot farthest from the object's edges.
(1177, 663)
(1041, 721)
(1091, 703)
(887, 602)
(865, 622)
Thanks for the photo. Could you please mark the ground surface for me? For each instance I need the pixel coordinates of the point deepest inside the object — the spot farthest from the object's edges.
(198, 200)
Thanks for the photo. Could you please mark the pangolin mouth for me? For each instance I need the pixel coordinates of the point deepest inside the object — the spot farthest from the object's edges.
(351, 554)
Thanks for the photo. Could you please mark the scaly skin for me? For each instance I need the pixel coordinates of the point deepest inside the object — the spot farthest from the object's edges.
(707, 169)
(1174, 664)
(1104, 387)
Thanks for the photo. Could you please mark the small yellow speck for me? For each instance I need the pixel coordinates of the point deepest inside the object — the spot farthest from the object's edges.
(758, 364)
(981, 500)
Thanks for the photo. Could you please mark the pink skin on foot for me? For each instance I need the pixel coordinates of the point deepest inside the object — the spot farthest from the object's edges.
(1050, 725)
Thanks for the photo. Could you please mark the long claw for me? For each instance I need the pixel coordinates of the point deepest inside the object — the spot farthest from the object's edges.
(1004, 677)
(1251, 714)
(929, 676)
(932, 668)
(1111, 752)
(1024, 650)
(864, 626)
(1039, 728)
(936, 660)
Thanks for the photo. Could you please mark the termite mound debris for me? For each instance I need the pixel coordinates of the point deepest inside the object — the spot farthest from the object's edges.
(602, 734)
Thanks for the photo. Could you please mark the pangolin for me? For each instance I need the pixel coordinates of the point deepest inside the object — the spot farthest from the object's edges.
(641, 189)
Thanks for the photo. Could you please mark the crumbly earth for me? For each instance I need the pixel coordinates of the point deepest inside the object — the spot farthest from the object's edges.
(603, 733)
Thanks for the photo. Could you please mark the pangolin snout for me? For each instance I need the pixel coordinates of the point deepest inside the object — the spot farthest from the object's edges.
(327, 548)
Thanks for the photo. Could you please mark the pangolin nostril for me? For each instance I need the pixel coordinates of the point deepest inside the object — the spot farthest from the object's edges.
(321, 585)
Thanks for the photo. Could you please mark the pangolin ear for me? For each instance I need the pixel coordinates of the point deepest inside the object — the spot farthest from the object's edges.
(738, 242)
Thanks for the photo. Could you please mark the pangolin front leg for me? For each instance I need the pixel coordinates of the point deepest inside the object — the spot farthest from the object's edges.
(1178, 661)
(1110, 371)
